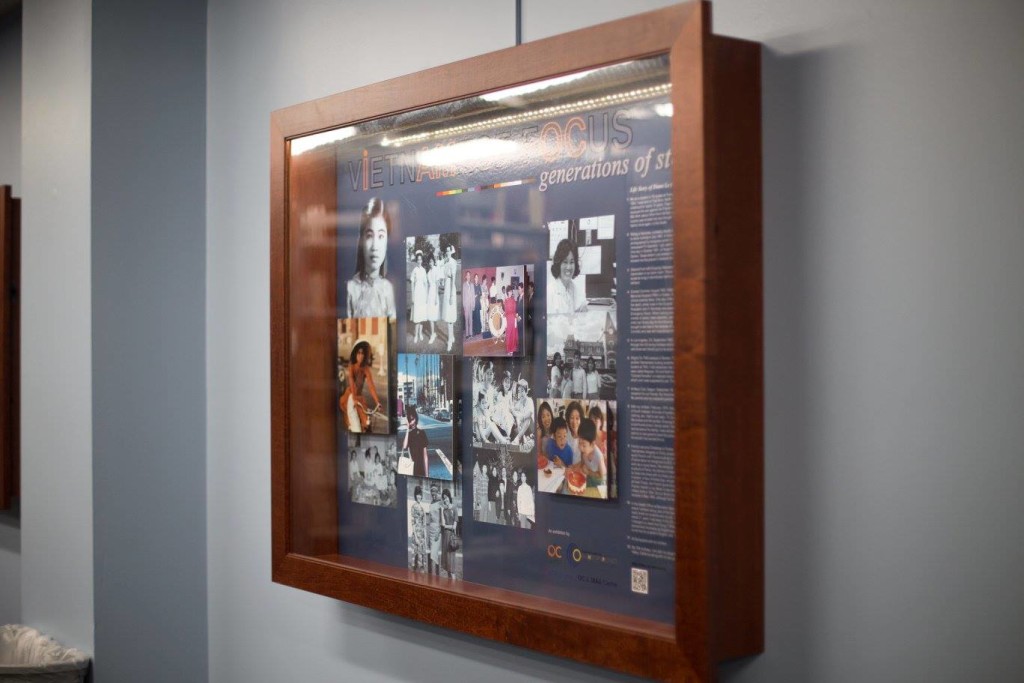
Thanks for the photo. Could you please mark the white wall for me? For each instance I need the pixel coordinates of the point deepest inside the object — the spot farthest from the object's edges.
(56, 364)
(894, 244)
(10, 174)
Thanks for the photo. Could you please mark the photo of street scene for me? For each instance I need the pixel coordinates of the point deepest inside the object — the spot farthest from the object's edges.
(426, 397)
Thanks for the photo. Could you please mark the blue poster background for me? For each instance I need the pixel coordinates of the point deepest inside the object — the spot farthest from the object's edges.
(498, 227)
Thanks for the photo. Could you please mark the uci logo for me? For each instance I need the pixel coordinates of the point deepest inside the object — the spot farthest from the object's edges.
(575, 554)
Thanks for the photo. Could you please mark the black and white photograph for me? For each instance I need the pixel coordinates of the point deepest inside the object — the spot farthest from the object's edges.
(503, 404)
(434, 294)
(581, 272)
(426, 415)
(369, 293)
(499, 313)
(435, 526)
(504, 488)
(363, 364)
(582, 324)
(573, 446)
(373, 471)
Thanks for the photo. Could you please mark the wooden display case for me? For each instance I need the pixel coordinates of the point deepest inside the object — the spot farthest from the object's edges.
(708, 87)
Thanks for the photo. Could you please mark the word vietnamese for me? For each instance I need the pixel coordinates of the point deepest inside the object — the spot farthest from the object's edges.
(578, 135)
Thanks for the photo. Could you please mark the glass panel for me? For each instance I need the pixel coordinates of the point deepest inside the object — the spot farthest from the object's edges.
(482, 291)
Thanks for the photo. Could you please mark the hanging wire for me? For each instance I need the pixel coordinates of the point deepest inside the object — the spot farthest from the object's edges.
(519, 22)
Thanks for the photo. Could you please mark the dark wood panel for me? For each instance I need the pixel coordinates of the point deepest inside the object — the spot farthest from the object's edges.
(739, 373)
(690, 178)
(312, 297)
(279, 343)
(629, 645)
(6, 456)
(15, 372)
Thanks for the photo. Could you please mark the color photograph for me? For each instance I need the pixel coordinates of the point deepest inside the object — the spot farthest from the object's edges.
(582, 364)
(433, 294)
(504, 488)
(499, 313)
(434, 524)
(573, 446)
(363, 375)
(426, 418)
(372, 471)
(503, 404)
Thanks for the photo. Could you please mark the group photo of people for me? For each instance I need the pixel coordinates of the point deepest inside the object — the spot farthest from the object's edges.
(434, 524)
(496, 303)
(577, 377)
(426, 415)
(363, 379)
(504, 488)
(503, 404)
(433, 293)
(373, 471)
(574, 446)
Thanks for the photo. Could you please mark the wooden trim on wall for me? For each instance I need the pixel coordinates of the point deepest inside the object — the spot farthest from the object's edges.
(10, 347)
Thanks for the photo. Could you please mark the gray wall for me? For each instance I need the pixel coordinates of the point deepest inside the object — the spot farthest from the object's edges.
(894, 243)
(56, 326)
(894, 190)
(148, 341)
(10, 174)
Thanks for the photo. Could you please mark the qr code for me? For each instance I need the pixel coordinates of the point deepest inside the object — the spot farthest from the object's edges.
(639, 579)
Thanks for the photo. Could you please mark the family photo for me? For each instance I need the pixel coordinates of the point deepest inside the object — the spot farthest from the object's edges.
(434, 524)
(504, 488)
(582, 323)
(363, 365)
(503, 404)
(433, 293)
(573, 447)
(373, 471)
(495, 303)
(580, 369)
(426, 419)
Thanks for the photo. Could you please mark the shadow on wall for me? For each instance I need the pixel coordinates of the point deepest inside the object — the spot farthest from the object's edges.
(791, 89)
(794, 85)
(10, 566)
(415, 645)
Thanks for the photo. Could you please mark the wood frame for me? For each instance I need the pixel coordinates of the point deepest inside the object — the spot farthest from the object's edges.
(10, 265)
(718, 359)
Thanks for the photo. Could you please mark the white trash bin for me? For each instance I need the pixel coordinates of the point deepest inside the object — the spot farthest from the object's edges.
(27, 656)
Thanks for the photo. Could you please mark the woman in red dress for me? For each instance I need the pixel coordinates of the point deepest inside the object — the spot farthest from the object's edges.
(352, 403)
(511, 325)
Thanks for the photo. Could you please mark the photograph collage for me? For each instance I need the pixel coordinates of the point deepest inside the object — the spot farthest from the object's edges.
(534, 425)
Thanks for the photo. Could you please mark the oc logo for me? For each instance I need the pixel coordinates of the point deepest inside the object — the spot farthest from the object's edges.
(555, 552)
